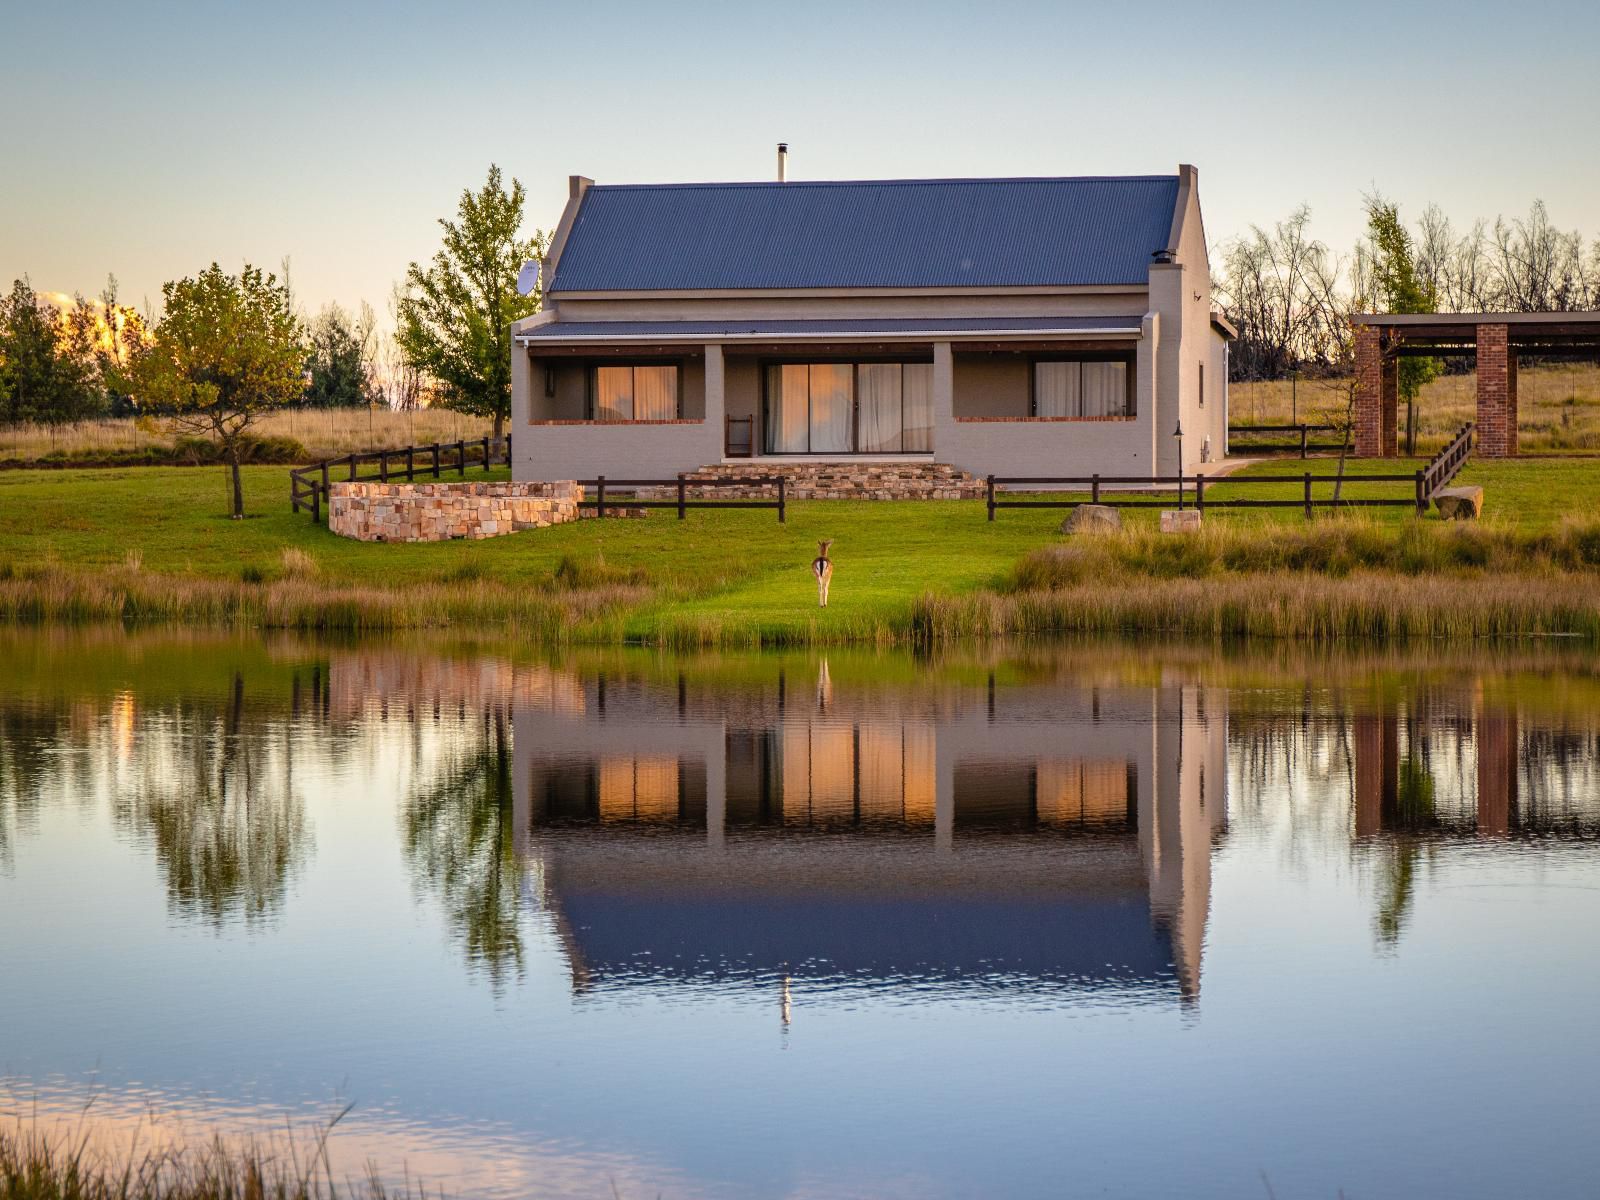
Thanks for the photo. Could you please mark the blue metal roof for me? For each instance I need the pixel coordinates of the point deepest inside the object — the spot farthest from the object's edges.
(841, 327)
(892, 233)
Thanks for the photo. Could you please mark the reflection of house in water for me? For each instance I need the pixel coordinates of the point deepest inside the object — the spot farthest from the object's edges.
(1030, 836)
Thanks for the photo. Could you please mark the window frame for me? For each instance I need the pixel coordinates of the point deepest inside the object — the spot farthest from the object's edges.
(591, 375)
(765, 365)
(1126, 358)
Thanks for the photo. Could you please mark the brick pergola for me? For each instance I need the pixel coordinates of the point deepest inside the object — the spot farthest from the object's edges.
(1495, 340)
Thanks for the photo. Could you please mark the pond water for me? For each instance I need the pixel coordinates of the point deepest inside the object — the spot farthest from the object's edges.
(1024, 921)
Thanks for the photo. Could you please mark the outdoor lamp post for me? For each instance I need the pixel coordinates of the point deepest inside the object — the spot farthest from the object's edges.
(1178, 433)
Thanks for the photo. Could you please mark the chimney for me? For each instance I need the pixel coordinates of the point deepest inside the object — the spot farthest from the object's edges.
(783, 161)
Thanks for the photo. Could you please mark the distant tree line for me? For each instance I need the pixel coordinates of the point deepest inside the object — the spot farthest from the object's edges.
(1291, 296)
(68, 363)
(71, 362)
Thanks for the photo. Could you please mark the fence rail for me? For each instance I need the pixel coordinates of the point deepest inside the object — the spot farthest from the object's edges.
(1197, 483)
(681, 485)
(1446, 465)
(308, 486)
(1425, 483)
(1302, 430)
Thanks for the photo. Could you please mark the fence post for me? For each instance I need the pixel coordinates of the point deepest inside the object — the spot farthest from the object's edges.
(316, 504)
(989, 486)
(1302, 440)
(352, 466)
(1422, 495)
(508, 449)
(1308, 495)
(485, 454)
(600, 497)
(783, 499)
(1199, 492)
(436, 460)
(1094, 488)
(411, 464)
(680, 496)
(325, 478)
(383, 466)
(461, 458)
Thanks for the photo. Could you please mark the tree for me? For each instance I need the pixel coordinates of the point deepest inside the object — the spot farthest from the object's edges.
(1280, 287)
(228, 348)
(339, 374)
(455, 315)
(1400, 289)
(124, 333)
(47, 364)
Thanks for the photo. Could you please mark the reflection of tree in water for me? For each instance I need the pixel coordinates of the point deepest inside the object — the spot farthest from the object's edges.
(1415, 813)
(227, 834)
(459, 837)
(25, 741)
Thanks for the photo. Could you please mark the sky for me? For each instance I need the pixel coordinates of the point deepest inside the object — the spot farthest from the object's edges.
(147, 140)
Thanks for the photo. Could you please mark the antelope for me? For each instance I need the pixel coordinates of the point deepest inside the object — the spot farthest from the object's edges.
(822, 568)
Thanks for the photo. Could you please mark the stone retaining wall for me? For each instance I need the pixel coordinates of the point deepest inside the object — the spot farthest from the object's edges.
(439, 512)
(846, 481)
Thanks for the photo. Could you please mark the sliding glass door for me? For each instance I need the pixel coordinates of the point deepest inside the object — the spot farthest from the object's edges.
(849, 408)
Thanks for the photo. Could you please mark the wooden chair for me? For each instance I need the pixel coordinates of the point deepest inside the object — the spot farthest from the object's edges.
(739, 440)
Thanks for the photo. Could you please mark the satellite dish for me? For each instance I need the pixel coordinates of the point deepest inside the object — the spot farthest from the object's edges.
(528, 277)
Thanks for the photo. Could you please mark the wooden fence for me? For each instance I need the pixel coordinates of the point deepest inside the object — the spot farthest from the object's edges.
(1424, 483)
(308, 486)
(1302, 432)
(681, 486)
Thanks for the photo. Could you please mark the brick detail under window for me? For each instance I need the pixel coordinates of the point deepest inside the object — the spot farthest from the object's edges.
(614, 424)
(1051, 420)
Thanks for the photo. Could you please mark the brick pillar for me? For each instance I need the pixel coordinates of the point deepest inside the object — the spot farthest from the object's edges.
(1369, 392)
(1497, 771)
(1511, 402)
(1496, 394)
(1369, 774)
(1389, 408)
(1377, 770)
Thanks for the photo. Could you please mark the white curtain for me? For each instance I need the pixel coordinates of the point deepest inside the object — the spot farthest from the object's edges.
(655, 393)
(880, 407)
(787, 387)
(1105, 389)
(613, 394)
(917, 407)
(831, 408)
(1057, 389)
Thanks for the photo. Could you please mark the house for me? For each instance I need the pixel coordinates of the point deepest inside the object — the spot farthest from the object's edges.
(1050, 326)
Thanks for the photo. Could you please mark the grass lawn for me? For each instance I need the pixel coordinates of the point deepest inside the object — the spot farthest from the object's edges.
(737, 567)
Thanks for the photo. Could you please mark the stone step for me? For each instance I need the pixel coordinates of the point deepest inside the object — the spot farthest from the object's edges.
(849, 481)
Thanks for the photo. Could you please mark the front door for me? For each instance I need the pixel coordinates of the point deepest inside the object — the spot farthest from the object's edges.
(848, 408)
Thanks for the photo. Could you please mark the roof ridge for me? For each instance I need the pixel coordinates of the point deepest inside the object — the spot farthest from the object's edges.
(822, 183)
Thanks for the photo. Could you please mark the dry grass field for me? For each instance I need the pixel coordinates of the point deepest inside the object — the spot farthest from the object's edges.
(1558, 406)
(324, 433)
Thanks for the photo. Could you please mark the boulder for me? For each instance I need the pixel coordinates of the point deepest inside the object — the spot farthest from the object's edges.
(1092, 518)
(1459, 503)
(1183, 520)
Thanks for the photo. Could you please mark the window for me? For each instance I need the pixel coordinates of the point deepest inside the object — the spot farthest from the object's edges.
(1202, 385)
(635, 393)
(845, 408)
(1082, 388)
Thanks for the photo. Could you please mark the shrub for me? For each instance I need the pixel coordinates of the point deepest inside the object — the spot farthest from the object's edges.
(297, 564)
(578, 575)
